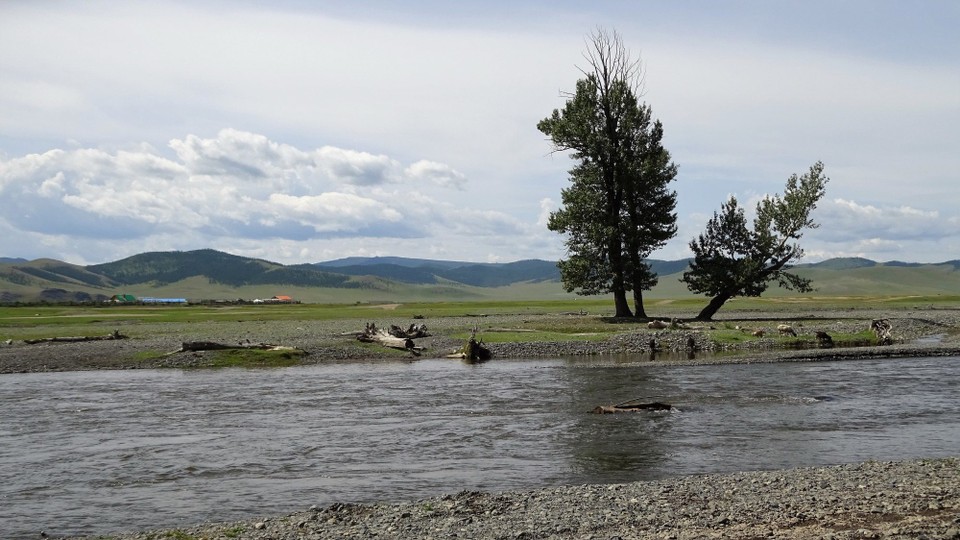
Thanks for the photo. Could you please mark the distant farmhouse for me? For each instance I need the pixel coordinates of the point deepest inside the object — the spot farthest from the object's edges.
(131, 299)
(151, 300)
(279, 299)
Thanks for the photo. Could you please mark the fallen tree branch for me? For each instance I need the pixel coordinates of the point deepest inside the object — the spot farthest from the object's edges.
(75, 339)
(882, 329)
(472, 351)
(632, 407)
(372, 334)
(196, 346)
(413, 332)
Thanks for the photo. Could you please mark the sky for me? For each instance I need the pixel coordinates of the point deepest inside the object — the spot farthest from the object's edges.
(300, 131)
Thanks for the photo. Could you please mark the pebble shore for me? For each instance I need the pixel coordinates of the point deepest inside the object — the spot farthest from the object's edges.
(913, 499)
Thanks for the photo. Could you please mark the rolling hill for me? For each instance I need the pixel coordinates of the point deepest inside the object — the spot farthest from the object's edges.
(423, 271)
(214, 275)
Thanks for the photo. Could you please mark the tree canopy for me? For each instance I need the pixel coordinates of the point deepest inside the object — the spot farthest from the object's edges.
(617, 209)
(731, 259)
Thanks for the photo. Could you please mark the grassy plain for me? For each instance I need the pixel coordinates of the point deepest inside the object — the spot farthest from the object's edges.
(325, 331)
(25, 322)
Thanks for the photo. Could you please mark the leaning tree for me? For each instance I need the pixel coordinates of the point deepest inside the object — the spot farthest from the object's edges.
(617, 208)
(731, 259)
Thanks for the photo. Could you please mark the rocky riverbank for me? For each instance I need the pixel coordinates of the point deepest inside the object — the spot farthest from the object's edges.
(913, 499)
(916, 333)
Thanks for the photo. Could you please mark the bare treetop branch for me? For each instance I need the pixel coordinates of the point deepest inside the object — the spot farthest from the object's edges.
(609, 60)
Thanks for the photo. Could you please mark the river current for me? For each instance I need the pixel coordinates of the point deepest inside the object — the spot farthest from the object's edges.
(100, 452)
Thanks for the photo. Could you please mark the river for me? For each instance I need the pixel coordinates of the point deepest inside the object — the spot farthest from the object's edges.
(100, 452)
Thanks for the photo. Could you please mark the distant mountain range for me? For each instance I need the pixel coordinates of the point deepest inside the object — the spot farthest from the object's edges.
(424, 271)
(210, 274)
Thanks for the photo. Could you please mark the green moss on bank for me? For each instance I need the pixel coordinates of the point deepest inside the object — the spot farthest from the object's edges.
(254, 358)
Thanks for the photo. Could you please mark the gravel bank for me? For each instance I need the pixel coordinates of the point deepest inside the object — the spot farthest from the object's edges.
(915, 499)
(917, 333)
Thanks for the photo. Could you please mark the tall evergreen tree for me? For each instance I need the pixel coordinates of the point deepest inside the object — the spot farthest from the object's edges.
(649, 205)
(731, 260)
(617, 209)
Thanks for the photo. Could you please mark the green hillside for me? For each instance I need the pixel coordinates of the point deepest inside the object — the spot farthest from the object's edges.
(213, 275)
(163, 268)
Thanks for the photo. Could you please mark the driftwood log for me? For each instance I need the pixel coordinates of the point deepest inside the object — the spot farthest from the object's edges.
(881, 328)
(473, 351)
(197, 346)
(372, 334)
(413, 332)
(632, 407)
(74, 339)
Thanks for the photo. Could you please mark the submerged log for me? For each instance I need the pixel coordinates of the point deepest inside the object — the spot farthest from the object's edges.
(632, 407)
(75, 339)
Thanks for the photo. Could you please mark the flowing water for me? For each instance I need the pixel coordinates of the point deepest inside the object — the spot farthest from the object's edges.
(99, 452)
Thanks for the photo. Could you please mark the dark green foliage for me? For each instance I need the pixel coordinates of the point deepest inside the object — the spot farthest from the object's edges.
(617, 209)
(42, 274)
(80, 274)
(16, 278)
(732, 259)
(65, 273)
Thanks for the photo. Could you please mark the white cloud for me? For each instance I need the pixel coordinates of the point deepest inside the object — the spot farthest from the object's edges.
(357, 168)
(395, 105)
(330, 212)
(237, 185)
(437, 173)
(547, 207)
(845, 221)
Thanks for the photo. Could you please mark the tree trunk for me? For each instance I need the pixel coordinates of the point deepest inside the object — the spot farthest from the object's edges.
(619, 280)
(711, 309)
(620, 301)
(638, 310)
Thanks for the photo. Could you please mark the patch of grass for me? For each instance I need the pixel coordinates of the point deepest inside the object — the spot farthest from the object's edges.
(234, 532)
(254, 358)
(140, 356)
(859, 339)
(106, 318)
(505, 336)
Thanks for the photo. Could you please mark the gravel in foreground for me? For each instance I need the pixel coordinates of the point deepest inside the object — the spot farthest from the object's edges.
(912, 499)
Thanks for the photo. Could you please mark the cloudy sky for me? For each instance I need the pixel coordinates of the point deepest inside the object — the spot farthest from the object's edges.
(302, 131)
